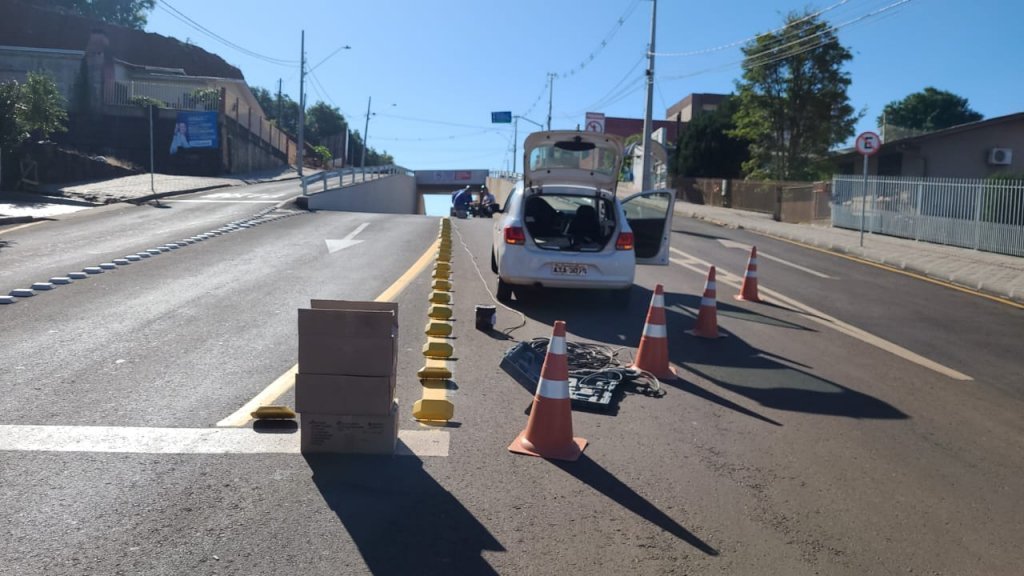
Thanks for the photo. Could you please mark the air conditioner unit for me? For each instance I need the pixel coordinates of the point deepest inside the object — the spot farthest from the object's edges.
(1000, 156)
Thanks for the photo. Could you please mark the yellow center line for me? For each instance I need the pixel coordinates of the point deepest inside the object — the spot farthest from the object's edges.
(22, 226)
(284, 382)
(889, 268)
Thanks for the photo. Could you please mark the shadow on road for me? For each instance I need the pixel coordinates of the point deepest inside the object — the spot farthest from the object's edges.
(730, 363)
(592, 474)
(400, 518)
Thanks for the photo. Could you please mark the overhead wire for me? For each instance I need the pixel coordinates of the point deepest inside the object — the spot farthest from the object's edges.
(772, 54)
(184, 18)
(754, 37)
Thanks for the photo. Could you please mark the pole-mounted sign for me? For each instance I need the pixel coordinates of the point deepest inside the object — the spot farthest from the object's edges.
(501, 117)
(867, 145)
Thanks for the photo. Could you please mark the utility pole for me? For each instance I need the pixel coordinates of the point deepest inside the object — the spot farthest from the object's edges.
(278, 101)
(515, 137)
(551, 94)
(646, 180)
(152, 185)
(302, 104)
(515, 141)
(366, 130)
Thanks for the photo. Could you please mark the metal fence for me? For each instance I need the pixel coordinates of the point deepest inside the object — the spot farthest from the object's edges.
(174, 95)
(985, 215)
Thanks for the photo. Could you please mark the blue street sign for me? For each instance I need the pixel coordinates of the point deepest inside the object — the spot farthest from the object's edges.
(501, 117)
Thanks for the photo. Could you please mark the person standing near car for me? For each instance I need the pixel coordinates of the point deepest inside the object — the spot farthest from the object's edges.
(460, 202)
(487, 201)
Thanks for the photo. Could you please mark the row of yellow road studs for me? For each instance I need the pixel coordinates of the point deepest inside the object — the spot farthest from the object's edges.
(436, 372)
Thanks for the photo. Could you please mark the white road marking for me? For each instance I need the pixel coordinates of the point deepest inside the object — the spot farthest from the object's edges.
(223, 201)
(335, 245)
(746, 247)
(187, 440)
(691, 262)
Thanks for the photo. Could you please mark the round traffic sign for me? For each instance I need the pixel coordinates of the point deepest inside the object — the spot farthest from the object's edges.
(868, 143)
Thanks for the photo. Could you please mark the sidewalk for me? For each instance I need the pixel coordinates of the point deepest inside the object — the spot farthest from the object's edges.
(17, 207)
(995, 274)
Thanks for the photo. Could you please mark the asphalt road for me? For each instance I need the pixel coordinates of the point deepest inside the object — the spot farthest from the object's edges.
(802, 443)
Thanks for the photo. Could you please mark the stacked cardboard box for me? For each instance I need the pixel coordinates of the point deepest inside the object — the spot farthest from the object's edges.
(345, 387)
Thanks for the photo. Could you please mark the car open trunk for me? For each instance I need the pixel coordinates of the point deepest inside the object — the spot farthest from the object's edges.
(570, 221)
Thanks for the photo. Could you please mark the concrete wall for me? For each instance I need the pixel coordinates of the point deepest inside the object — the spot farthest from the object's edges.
(245, 152)
(61, 65)
(394, 194)
(501, 188)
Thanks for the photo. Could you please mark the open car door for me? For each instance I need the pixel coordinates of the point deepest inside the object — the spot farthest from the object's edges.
(650, 216)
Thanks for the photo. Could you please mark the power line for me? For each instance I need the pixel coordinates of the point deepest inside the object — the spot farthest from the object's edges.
(182, 17)
(752, 38)
(772, 55)
(440, 122)
(604, 42)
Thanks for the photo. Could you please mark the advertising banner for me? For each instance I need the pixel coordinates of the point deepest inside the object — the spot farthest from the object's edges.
(195, 130)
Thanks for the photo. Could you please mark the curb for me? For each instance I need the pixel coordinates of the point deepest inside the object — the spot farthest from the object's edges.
(1010, 295)
(8, 220)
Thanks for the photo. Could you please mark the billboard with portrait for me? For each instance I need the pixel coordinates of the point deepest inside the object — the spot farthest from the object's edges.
(195, 130)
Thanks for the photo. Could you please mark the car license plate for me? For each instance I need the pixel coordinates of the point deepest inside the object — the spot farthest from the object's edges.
(570, 269)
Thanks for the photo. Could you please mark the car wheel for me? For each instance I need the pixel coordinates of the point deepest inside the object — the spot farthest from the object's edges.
(494, 263)
(620, 298)
(504, 291)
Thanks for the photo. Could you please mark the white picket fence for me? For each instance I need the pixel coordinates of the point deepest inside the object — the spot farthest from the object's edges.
(985, 215)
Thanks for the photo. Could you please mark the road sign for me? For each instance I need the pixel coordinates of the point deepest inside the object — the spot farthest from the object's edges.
(501, 117)
(868, 143)
(595, 122)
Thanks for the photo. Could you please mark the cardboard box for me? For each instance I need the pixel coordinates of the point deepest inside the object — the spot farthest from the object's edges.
(351, 338)
(342, 394)
(349, 433)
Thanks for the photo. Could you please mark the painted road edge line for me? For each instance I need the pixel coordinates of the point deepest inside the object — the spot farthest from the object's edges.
(890, 268)
(283, 383)
(824, 319)
(128, 440)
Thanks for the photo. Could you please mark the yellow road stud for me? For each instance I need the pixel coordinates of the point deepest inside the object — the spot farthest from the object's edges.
(440, 312)
(443, 256)
(440, 298)
(434, 369)
(443, 266)
(273, 413)
(428, 409)
(442, 285)
(437, 349)
(442, 274)
(438, 329)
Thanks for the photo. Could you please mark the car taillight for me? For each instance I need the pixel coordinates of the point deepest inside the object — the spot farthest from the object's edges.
(625, 241)
(515, 235)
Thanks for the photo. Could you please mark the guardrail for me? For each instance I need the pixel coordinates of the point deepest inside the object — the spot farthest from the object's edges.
(326, 176)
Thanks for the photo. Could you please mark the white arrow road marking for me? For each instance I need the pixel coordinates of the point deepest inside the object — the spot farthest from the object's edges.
(187, 440)
(335, 245)
(691, 262)
(732, 244)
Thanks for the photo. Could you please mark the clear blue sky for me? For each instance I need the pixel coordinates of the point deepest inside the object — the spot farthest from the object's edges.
(437, 69)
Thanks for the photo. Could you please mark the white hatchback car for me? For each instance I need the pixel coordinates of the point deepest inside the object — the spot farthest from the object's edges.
(562, 226)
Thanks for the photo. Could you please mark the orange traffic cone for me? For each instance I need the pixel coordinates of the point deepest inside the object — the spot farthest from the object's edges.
(748, 291)
(707, 316)
(652, 356)
(548, 432)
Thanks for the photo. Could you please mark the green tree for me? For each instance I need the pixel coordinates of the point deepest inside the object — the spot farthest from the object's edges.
(705, 148)
(12, 129)
(792, 100)
(323, 121)
(44, 110)
(129, 13)
(288, 119)
(928, 110)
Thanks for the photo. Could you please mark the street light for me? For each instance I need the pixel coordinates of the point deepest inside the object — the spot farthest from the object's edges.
(515, 137)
